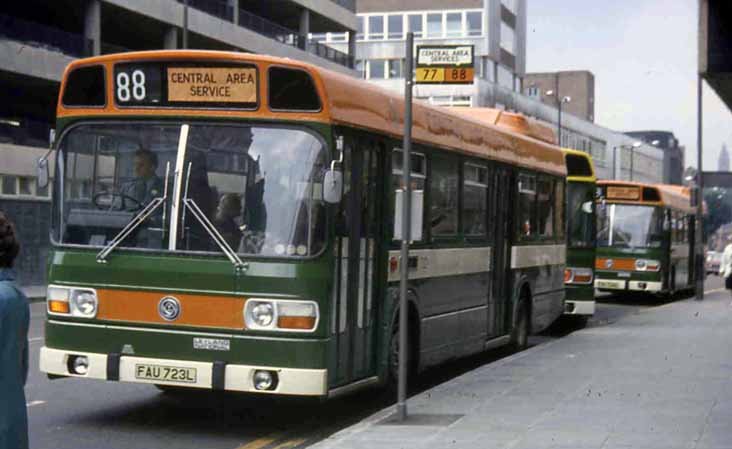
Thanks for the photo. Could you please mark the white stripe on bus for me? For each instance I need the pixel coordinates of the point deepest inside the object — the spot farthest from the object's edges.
(527, 256)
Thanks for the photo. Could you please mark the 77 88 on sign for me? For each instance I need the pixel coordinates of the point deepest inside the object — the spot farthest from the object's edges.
(444, 75)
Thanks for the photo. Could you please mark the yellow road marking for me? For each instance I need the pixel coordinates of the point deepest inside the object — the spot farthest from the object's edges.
(290, 444)
(259, 443)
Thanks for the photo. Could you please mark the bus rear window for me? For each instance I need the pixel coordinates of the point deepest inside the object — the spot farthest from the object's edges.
(292, 90)
(85, 87)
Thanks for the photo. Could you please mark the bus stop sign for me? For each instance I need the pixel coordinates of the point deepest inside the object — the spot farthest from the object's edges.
(445, 64)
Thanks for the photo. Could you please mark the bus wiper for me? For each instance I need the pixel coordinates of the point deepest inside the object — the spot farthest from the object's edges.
(215, 235)
(136, 221)
(131, 226)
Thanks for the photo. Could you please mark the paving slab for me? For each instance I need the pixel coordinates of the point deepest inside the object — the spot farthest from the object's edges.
(661, 378)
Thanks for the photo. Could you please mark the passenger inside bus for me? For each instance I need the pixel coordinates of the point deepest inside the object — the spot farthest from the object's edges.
(228, 210)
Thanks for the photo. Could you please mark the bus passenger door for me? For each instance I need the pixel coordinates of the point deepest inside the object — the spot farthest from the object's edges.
(501, 216)
(358, 269)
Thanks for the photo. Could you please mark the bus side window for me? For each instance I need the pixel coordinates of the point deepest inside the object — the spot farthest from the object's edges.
(526, 206)
(545, 207)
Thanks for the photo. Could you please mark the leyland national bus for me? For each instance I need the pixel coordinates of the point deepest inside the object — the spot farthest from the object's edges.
(579, 273)
(645, 238)
(224, 221)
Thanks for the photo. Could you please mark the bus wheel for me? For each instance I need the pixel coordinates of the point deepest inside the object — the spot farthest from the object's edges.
(520, 332)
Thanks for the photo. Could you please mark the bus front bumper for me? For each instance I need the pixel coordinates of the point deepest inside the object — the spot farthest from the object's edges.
(192, 374)
(579, 307)
(641, 286)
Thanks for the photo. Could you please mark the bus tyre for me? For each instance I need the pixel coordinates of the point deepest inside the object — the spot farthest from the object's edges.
(520, 332)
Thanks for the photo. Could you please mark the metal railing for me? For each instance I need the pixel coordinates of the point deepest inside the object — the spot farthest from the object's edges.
(273, 30)
(43, 36)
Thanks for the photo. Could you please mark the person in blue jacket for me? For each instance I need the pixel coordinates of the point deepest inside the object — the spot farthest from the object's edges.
(14, 321)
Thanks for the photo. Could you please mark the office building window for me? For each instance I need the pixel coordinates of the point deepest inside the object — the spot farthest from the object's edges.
(434, 25)
(10, 185)
(395, 22)
(508, 38)
(25, 185)
(377, 69)
(376, 28)
(361, 68)
(516, 84)
(416, 25)
(474, 22)
(359, 30)
(395, 68)
(454, 21)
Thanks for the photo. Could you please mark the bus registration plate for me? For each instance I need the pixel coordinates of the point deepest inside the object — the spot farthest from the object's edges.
(146, 371)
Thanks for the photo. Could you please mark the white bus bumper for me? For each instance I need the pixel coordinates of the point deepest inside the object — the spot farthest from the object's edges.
(292, 381)
(640, 286)
(580, 308)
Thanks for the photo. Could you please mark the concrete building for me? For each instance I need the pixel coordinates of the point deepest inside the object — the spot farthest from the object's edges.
(39, 38)
(579, 85)
(496, 29)
(723, 161)
(673, 153)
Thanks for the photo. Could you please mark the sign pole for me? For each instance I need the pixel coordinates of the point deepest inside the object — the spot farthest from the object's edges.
(699, 259)
(406, 228)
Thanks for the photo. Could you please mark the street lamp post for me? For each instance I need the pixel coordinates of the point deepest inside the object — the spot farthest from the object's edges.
(552, 93)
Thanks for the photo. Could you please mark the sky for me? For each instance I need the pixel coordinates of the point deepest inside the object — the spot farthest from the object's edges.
(643, 54)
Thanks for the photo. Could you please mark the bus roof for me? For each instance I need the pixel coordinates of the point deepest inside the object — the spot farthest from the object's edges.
(672, 196)
(345, 101)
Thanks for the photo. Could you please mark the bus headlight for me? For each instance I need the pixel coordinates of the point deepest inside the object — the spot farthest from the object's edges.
(647, 265)
(262, 314)
(83, 303)
(578, 275)
(280, 314)
(78, 302)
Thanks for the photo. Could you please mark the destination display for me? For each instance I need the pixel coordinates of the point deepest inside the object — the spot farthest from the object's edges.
(622, 193)
(183, 84)
(445, 64)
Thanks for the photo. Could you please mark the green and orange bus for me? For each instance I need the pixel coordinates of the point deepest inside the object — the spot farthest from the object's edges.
(579, 274)
(645, 238)
(224, 221)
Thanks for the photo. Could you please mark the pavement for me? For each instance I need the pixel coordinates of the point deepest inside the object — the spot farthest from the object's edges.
(34, 293)
(658, 378)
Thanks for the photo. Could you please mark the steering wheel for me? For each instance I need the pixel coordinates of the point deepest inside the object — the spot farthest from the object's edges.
(137, 204)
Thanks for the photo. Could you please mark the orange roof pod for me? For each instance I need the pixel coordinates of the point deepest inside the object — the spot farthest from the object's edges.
(673, 196)
(513, 121)
(347, 101)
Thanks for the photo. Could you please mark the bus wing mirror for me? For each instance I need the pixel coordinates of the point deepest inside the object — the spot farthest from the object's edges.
(587, 207)
(332, 186)
(42, 172)
(415, 232)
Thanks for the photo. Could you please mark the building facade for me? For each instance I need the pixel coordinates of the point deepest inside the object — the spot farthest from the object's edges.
(673, 153)
(38, 39)
(496, 29)
(549, 87)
